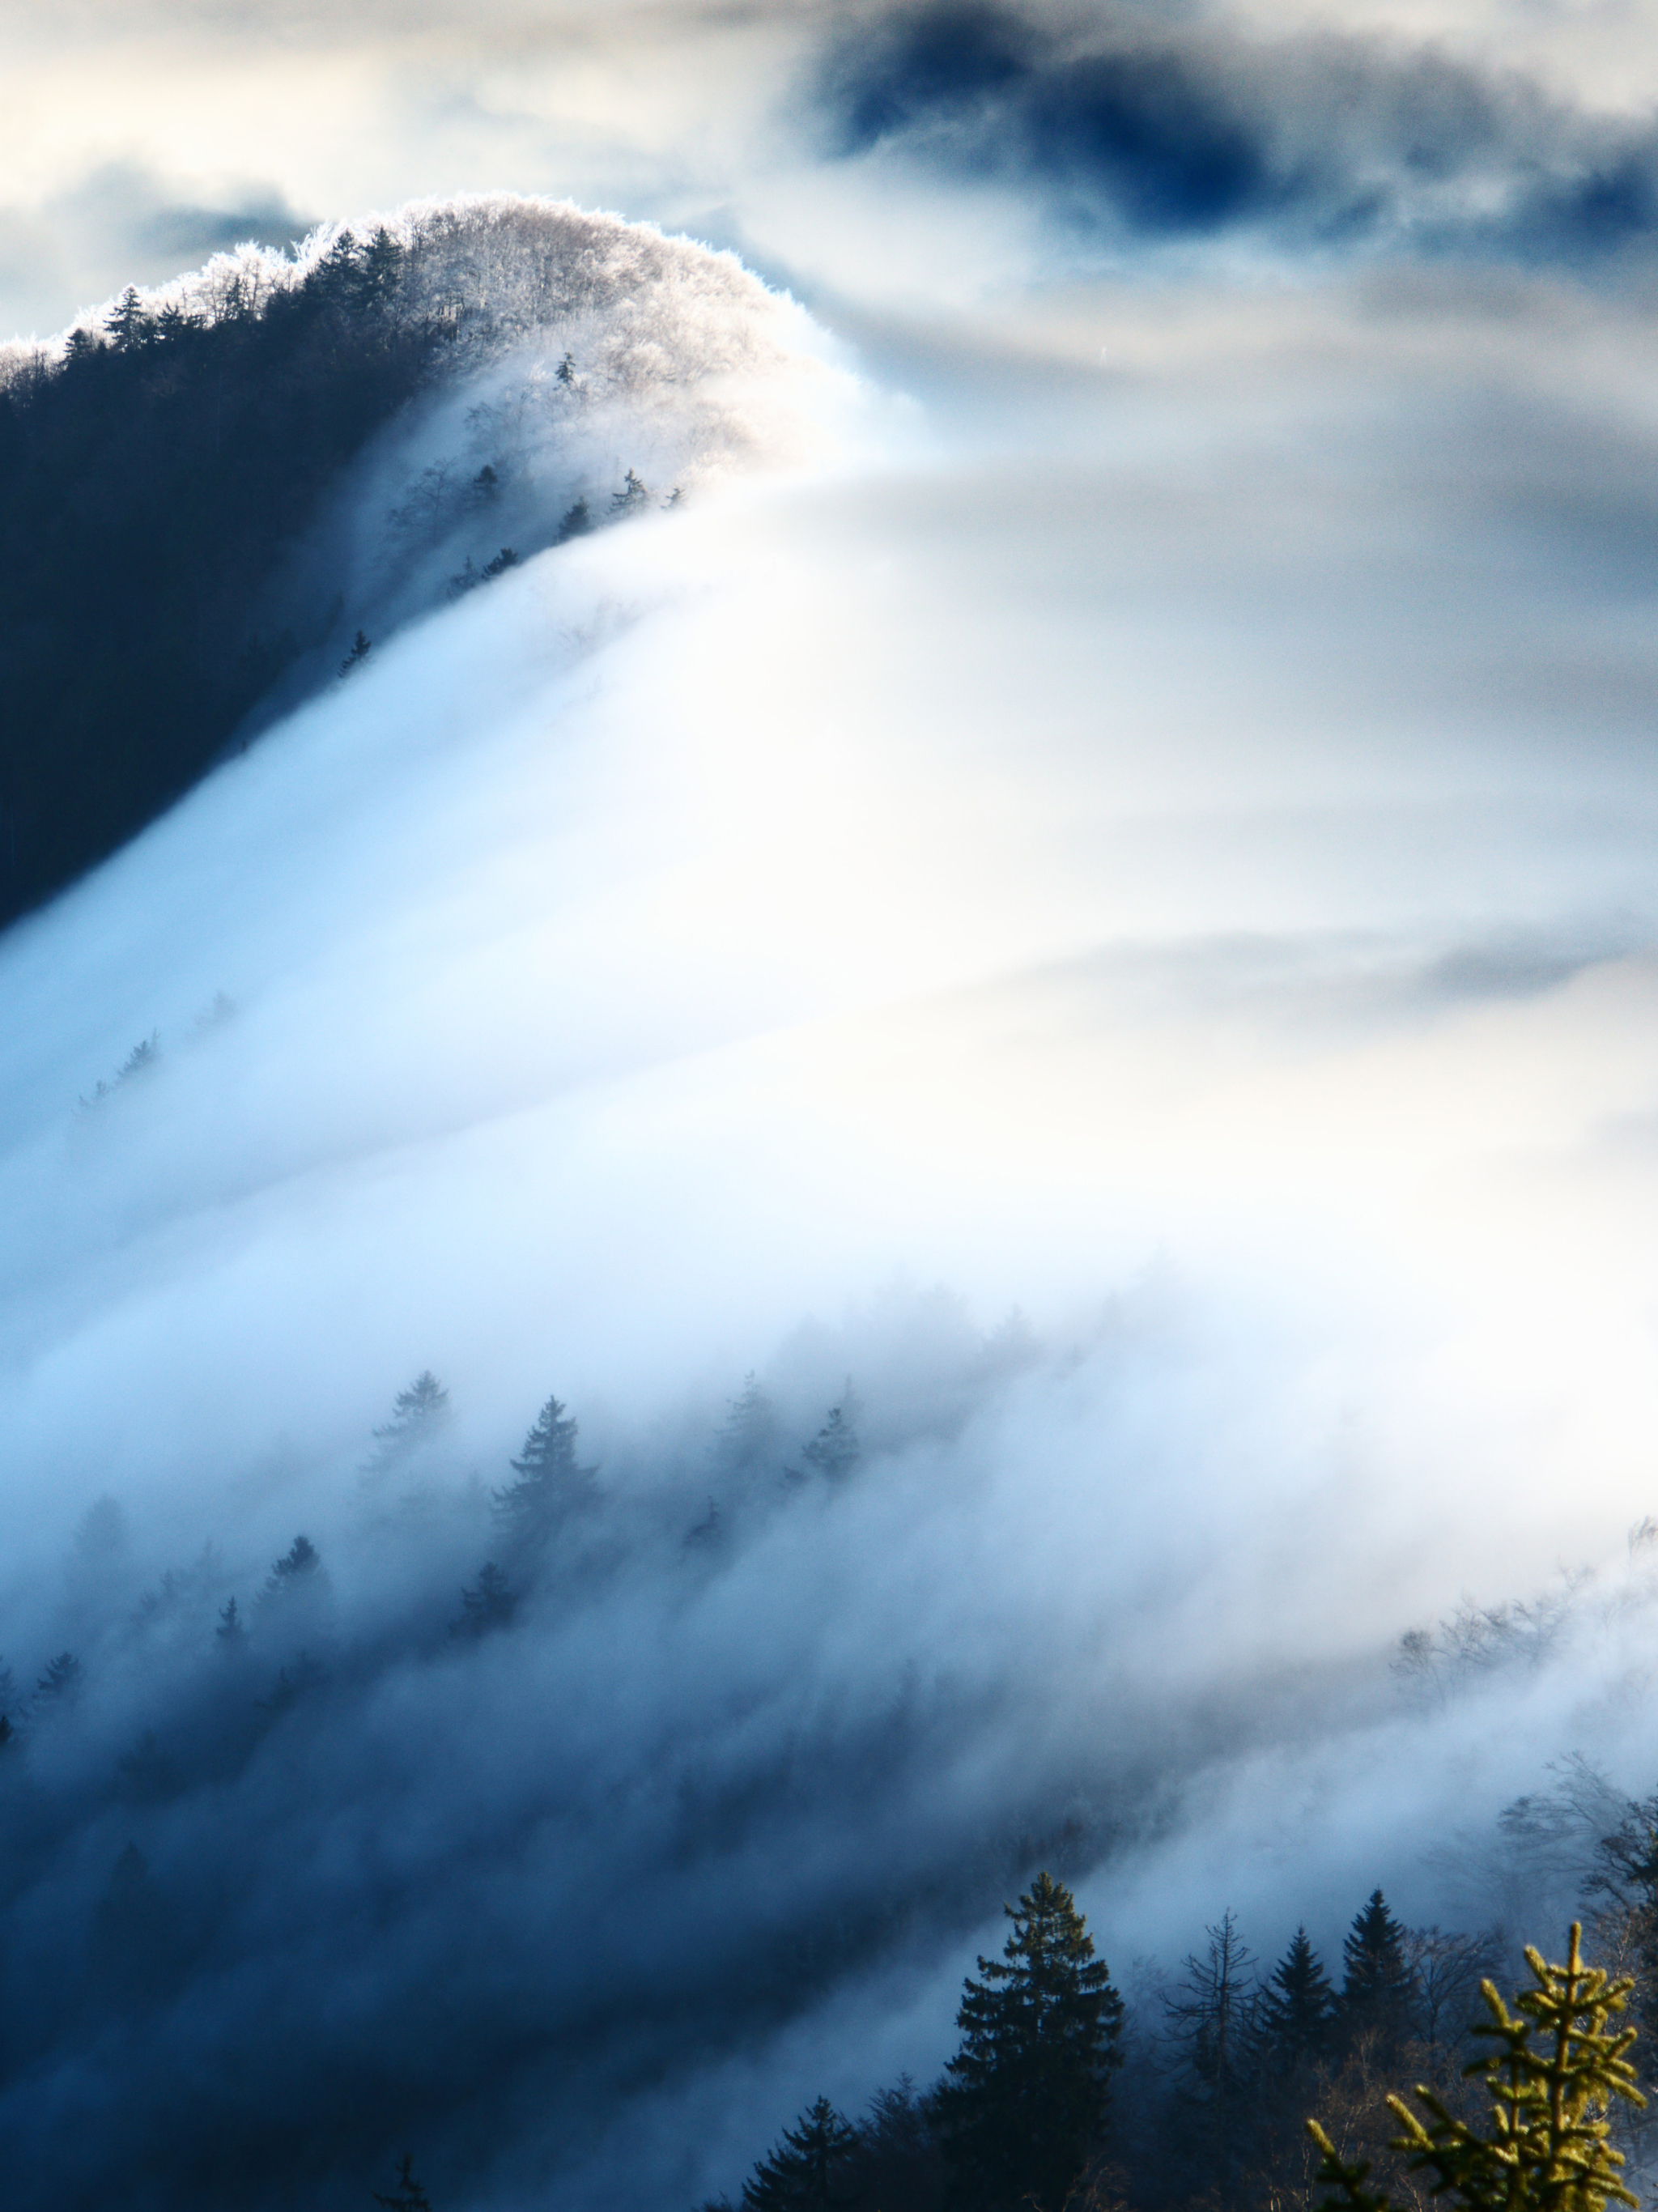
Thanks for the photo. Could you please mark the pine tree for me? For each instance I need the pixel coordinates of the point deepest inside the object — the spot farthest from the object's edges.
(1547, 2147)
(362, 645)
(1024, 2097)
(1375, 1985)
(418, 1413)
(748, 1430)
(835, 1449)
(299, 1568)
(1297, 2008)
(380, 269)
(550, 1483)
(578, 521)
(61, 1683)
(802, 2173)
(634, 495)
(230, 1631)
(128, 322)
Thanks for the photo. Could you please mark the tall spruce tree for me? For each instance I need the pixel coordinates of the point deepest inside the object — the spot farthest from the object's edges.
(1375, 1986)
(807, 2171)
(1025, 2099)
(1297, 2008)
(550, 1481)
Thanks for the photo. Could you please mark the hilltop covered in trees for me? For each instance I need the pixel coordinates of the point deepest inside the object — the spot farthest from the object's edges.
(210, 489)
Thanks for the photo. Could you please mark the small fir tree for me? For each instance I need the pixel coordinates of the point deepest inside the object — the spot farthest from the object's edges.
(381, 268)
(418, 1414)
(806, 2171)
(748, 1430)
(61, 1683)
(128, 322)
(299, 1568)
(1375, 1986)
(1297, 2008)
(362, 645)
(634, 494)
(1552, 2082)
(230, 1632)
(836, 1449)
(550, 1481)
(1025, 2099)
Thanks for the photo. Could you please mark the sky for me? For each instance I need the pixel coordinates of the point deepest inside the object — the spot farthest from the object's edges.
(137, 138)
(1095, 878)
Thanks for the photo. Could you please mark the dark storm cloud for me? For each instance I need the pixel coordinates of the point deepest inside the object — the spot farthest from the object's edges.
(1193, 132)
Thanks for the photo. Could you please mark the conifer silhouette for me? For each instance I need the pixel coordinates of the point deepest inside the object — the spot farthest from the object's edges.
(1297, 2007)
(549, 1482)
(490, 1604)
(1024, 2097)
(837, 1448)
(805, 2172)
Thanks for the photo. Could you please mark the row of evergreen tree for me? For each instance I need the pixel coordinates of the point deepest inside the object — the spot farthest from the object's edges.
(1022, 2114)
(551, 1490)
(1024, 2117)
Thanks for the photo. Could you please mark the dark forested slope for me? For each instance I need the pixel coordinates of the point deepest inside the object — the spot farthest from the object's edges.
(150, 481)
(167, 472)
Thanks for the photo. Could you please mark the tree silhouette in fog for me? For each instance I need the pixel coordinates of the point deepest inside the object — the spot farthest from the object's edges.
(807, 2171)
(550, 1481)
(1376, 1987)
(1025, 2099)
(1297, 2008)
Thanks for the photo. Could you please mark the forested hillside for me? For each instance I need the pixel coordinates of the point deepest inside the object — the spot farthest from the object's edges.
(306, 1834)
(181, 529)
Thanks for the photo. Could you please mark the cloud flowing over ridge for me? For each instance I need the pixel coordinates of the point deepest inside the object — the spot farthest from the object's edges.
(1163, 844)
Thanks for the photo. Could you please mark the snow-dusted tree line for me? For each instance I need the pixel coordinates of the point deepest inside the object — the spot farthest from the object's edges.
(211, 490)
